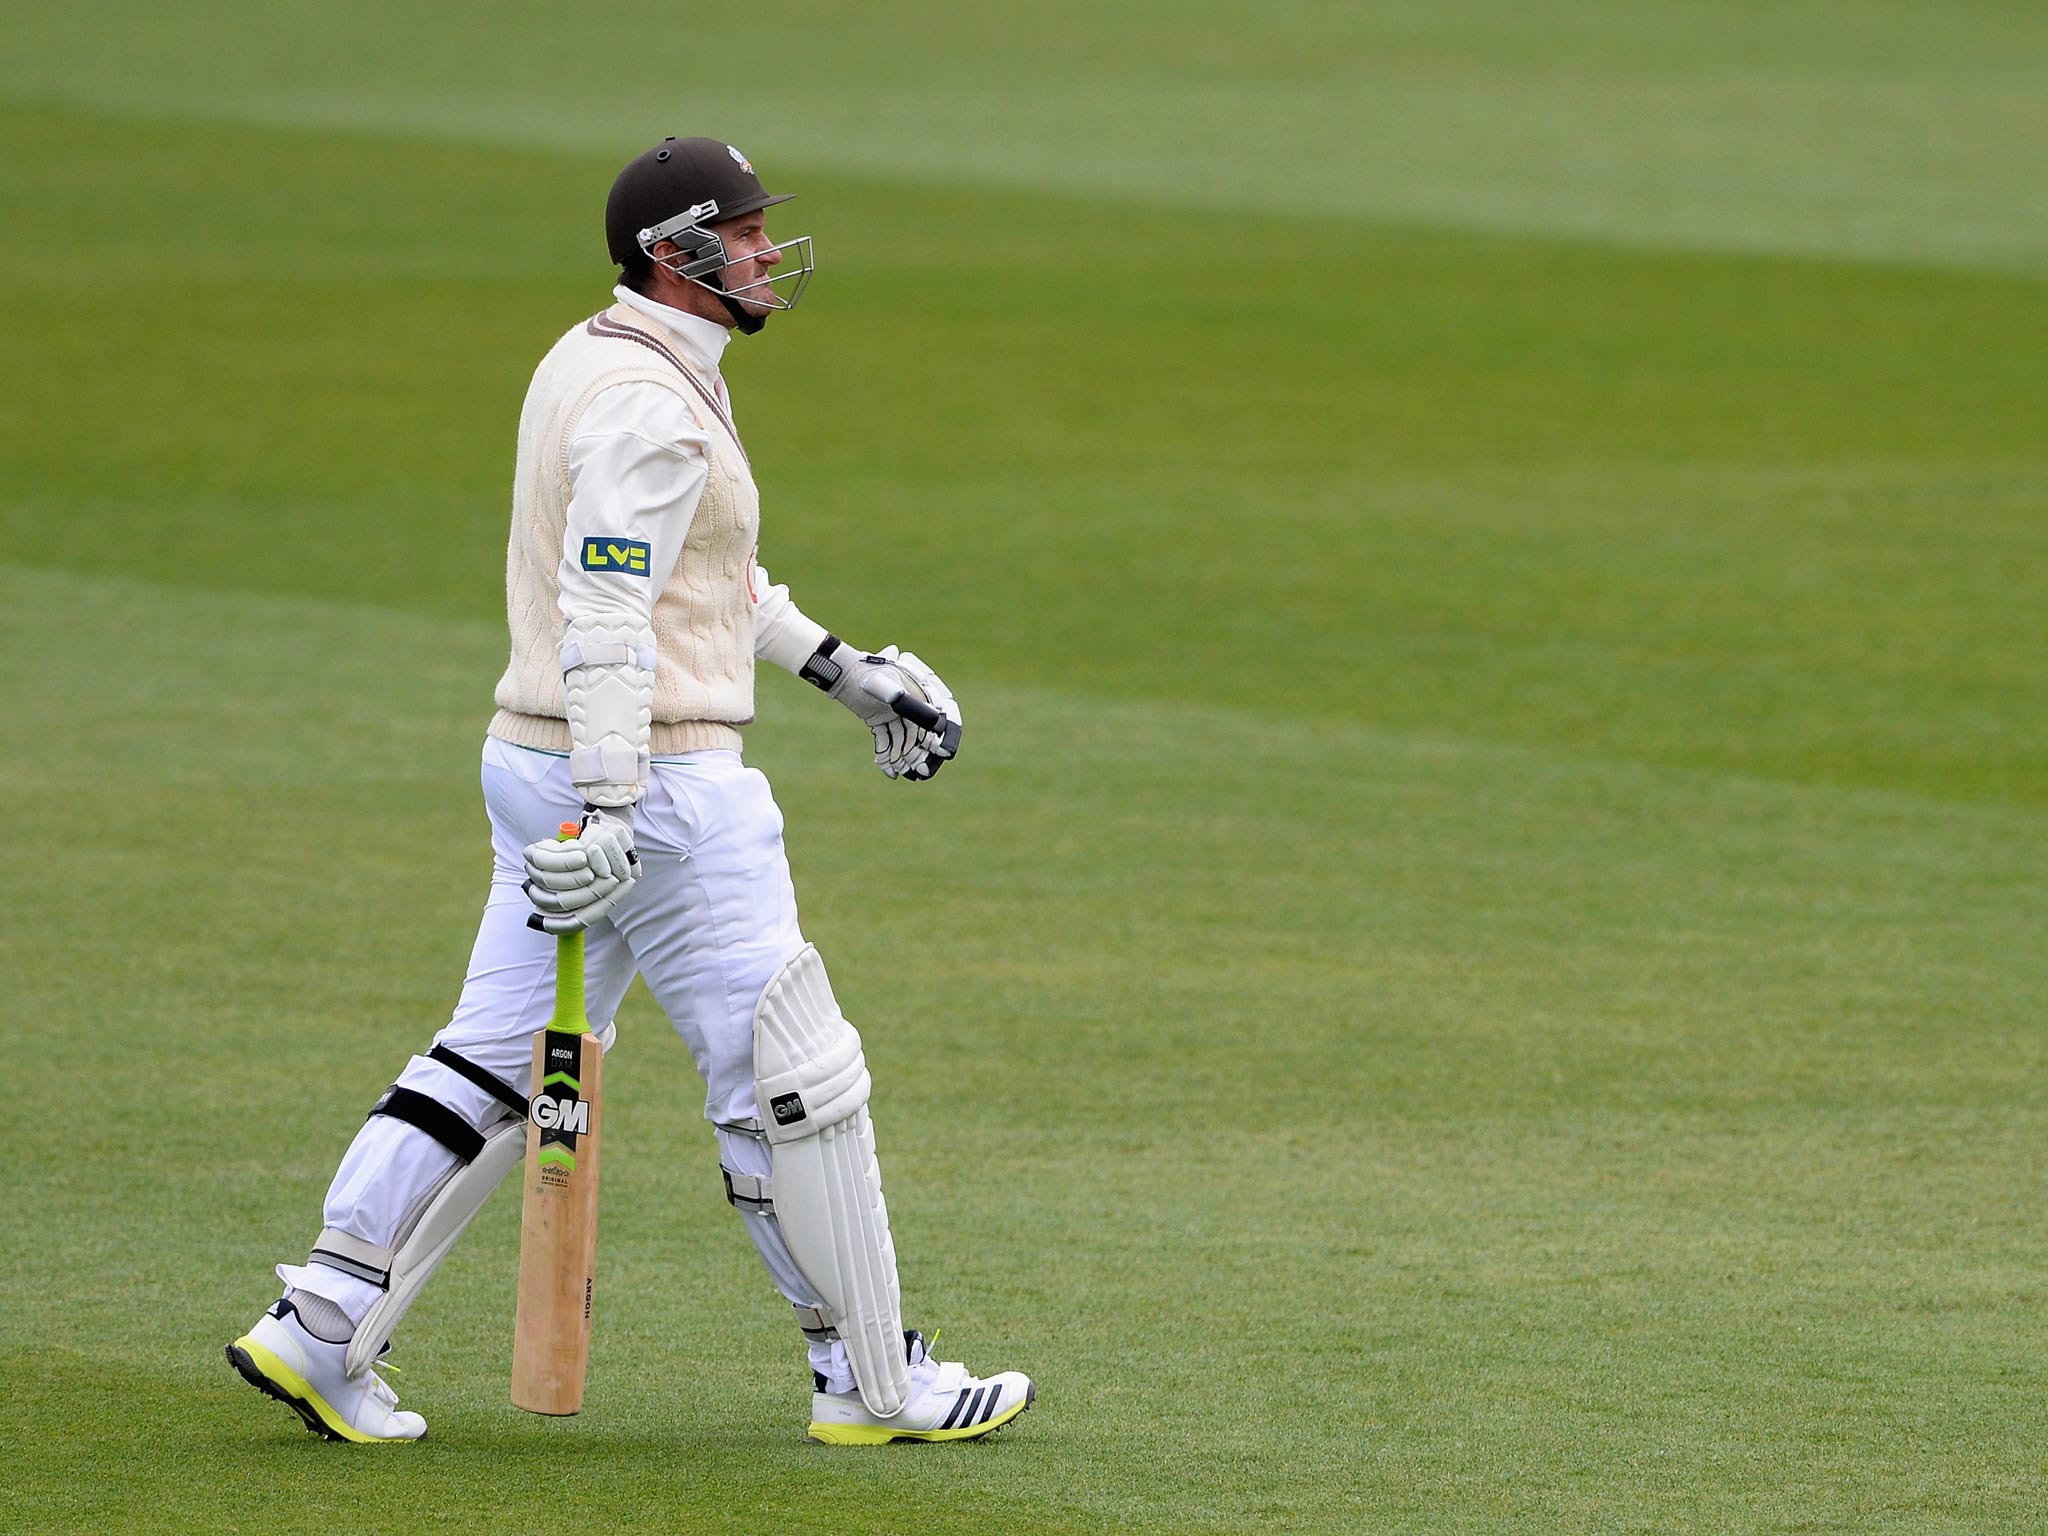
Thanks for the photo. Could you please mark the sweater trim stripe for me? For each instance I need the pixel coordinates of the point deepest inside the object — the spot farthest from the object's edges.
(603, 325)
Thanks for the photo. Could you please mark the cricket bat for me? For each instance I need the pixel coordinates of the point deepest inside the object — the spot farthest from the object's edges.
(558, 1233)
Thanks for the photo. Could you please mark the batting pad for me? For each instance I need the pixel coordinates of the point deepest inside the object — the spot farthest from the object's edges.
(441, 1220)
(811, 1085)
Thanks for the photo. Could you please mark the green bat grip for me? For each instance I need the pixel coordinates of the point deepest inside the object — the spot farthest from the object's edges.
(569, 1017)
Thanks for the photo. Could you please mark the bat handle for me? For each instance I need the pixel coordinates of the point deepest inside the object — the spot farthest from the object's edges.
(909, 706)
(569, 1018)
(917, 712)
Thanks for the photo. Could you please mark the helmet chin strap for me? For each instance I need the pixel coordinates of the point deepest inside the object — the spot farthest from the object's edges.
(744, 320)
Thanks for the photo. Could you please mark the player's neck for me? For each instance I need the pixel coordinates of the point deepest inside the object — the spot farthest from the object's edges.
(689, 298)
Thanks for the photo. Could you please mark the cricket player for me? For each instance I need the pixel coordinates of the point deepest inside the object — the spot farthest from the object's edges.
(638, 611)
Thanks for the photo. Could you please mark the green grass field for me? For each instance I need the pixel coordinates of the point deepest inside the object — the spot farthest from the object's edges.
(1483, 968)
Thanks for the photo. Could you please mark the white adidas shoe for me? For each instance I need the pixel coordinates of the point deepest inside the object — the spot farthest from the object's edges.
(945, 1404)
(279, 1357)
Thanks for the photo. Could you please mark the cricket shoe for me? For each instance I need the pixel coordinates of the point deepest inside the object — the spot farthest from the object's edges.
(945, 1404)
(281, 1358)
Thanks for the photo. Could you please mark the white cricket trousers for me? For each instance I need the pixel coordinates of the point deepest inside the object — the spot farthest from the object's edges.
(711, 921)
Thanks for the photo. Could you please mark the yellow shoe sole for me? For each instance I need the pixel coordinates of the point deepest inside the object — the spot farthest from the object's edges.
(269, 1375)
(882, 1434)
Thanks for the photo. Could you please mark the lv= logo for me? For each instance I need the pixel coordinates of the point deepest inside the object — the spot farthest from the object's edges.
(626, 556)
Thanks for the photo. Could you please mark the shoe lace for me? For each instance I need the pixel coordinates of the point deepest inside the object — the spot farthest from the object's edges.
(934, 1374)
(381, 1389)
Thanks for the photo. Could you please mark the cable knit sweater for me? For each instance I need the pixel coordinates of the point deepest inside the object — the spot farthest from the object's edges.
(703, 614)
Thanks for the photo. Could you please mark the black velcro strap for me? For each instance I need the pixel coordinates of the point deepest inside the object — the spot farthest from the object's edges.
(349, 1266)
(821, 671)
(433, 1117)
(490, 1082)
(815, 1323)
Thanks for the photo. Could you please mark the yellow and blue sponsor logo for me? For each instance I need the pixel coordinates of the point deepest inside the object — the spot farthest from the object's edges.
(626, 556)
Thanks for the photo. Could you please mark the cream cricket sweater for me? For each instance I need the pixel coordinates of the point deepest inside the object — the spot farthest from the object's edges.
(702, 608)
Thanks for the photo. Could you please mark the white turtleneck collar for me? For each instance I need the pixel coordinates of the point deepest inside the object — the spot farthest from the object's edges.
(703, 341)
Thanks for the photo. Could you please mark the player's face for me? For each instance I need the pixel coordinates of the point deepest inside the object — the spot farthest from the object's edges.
(750, 257)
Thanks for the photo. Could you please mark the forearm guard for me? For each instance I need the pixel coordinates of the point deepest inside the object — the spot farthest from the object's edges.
(608, 662)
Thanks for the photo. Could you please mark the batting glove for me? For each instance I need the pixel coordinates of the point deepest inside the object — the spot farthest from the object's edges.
(902, 750)
(575, 883)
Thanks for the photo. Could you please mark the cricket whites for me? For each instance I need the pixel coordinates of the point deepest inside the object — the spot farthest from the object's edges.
(558, 1233)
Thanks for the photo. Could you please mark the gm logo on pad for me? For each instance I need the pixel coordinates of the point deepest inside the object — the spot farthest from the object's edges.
(626, 556)
(788, 1108)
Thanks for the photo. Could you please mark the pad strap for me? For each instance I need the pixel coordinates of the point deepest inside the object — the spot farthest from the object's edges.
(816, 1324)
(489, 1081)
(756, 1193)
(433, 1117)
(749, 1192)
(353, 1256)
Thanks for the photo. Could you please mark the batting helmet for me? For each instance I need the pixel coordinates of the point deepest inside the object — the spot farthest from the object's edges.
(675, 192)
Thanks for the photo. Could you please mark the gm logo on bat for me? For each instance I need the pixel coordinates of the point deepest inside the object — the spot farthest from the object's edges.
(551, 1114)
(626, 556)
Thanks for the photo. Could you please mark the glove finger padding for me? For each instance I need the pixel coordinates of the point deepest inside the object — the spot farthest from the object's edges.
(603, 848)
(575, 867)
(608, 825)
(607, 903)
(577, 899)
(557, 916)
(573, 922)
(895, 743)
(559, 866)
(575, 883)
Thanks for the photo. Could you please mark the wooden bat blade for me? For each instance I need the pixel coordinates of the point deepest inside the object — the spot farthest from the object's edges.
(558, 1234)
